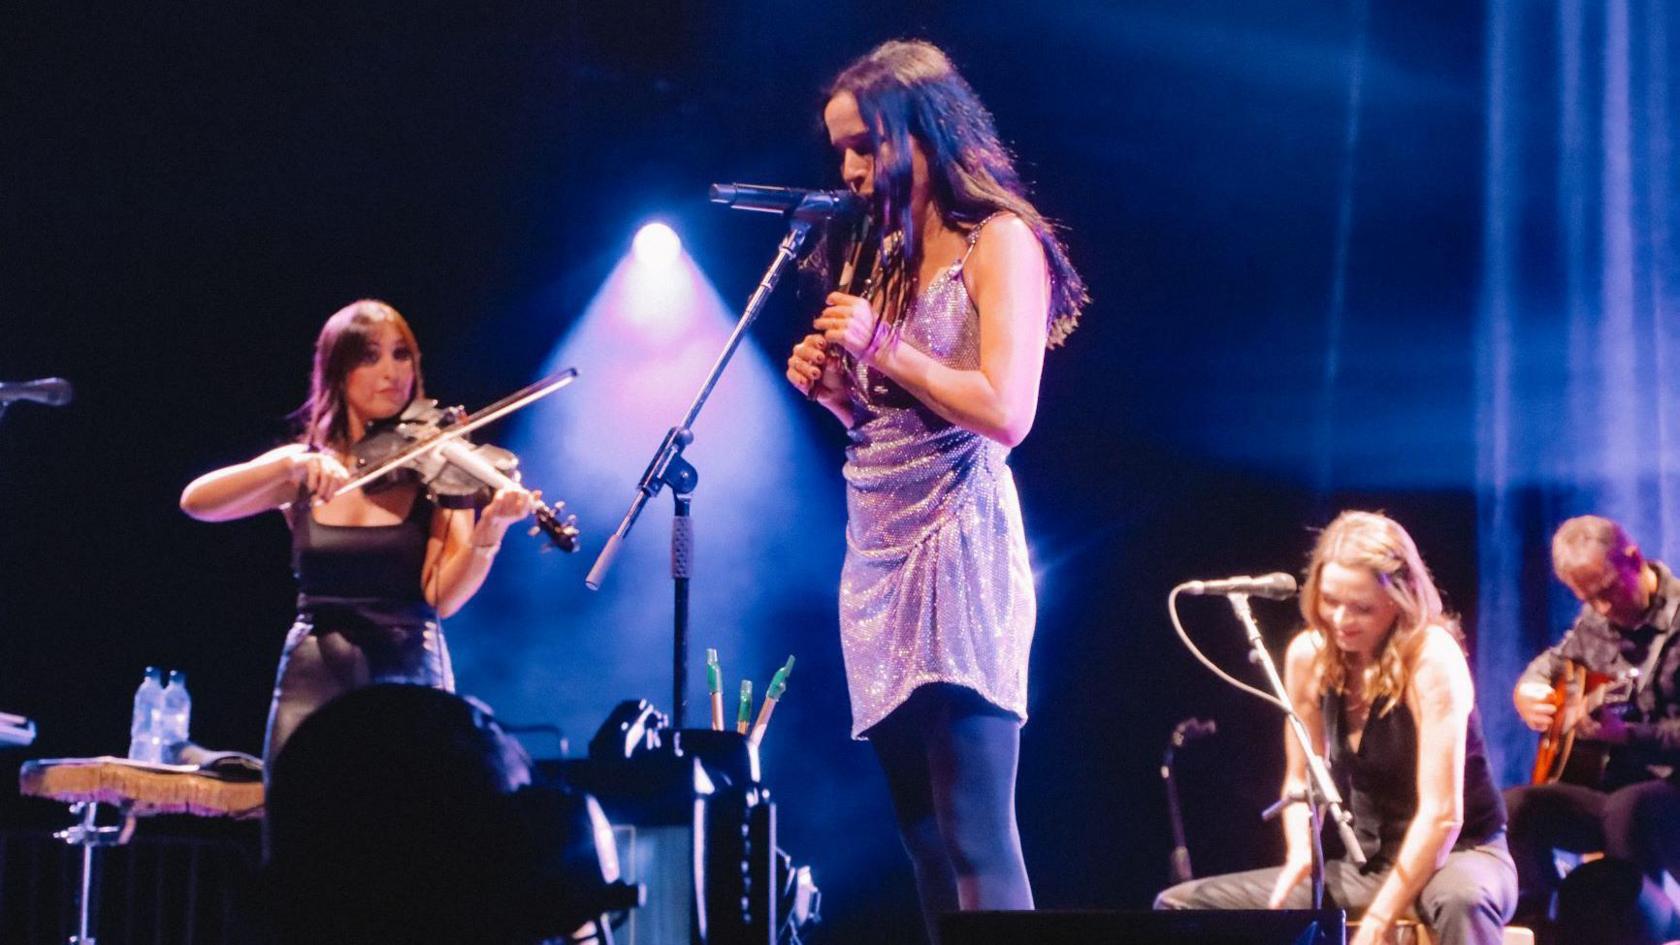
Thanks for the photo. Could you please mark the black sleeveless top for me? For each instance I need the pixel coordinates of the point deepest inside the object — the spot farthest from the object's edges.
(372, 570)
(1379, 781)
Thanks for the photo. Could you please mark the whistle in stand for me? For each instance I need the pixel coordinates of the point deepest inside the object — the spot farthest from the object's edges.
(714, 686)
(744, 715)
(778, 685)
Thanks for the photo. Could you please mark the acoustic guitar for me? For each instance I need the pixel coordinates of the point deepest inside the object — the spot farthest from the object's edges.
(1577, 693)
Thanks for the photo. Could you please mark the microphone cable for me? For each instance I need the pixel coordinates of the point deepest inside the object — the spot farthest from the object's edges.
(1172, 611)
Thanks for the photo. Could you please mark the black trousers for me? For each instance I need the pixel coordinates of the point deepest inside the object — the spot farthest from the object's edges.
(320, 663)
(1639, 823)
(1466, 902)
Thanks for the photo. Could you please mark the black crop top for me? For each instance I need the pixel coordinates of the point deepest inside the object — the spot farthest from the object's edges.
(379, 566)
(1379, 781)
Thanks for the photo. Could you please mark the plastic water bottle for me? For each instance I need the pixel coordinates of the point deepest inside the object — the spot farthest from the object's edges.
(143, 743)
(175, 717)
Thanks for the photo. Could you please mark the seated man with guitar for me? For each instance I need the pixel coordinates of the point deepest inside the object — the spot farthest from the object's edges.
(1607, 697)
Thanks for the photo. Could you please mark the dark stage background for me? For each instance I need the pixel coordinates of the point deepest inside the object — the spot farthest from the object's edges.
(1279, 208)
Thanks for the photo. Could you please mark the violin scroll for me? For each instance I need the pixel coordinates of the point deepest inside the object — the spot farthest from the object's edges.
(562, 533)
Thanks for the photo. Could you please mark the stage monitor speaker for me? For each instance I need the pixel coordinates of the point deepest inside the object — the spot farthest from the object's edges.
(1181, 927)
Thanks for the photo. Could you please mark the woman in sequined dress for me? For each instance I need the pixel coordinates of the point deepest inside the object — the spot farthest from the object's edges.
(935, 374)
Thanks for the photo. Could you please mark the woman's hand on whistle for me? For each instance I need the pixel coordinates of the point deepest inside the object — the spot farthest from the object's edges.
(849, 321)
(319, 472)
(810, 363)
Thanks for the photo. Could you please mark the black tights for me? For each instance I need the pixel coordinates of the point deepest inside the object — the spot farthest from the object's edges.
(950, 757)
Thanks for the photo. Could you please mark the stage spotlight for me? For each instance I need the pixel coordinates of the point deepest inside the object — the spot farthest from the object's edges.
(656, 244)
(643, 344)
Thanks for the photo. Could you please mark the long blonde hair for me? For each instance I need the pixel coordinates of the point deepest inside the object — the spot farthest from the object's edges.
(1378, 544)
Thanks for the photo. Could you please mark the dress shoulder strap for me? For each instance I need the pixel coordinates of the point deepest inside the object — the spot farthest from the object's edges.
(973, 239)
(974, 234)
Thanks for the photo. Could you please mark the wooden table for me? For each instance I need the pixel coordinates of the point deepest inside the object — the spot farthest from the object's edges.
(135, 789)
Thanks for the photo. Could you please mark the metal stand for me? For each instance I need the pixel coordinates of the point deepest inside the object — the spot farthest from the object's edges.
(90, 837)
(1320, 788)
(669, 468)
(682, 478)
(1178, 862)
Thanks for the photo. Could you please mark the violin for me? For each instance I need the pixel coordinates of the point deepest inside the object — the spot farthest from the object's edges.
(427, 445)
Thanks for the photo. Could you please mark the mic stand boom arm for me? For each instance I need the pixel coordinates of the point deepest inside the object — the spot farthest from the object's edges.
(1320, 787)
(668, 467)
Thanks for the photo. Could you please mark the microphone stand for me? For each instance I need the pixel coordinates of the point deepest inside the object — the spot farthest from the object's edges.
(1320, 789)
(1178, 861)
(669, 468)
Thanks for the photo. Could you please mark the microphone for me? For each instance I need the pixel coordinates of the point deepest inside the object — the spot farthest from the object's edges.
(52, 391)
(806, 204)
(1275, 586)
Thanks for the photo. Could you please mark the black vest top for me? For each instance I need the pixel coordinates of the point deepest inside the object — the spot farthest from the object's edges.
(1379, 781)
(373, 570)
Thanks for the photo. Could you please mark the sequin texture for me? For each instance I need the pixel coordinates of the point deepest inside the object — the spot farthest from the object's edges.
(936, 586)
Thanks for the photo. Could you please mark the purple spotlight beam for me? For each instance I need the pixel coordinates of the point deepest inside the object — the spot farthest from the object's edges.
(669, 468)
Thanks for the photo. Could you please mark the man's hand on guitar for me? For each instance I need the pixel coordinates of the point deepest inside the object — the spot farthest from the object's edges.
(1535, 703)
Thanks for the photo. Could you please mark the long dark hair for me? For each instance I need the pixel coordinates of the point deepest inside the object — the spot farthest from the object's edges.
(909, 89)
(345, 339)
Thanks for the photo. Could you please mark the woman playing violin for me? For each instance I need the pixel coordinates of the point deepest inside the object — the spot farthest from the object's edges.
(375, 569)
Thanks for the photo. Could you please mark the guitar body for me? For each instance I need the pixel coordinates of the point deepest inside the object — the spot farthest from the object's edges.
(1584, 764)
(1577, 693)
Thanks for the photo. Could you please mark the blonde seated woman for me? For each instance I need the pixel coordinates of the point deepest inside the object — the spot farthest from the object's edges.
(1380, 679)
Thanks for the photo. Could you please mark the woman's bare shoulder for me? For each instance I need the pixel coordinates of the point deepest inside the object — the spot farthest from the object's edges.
(1439, 670)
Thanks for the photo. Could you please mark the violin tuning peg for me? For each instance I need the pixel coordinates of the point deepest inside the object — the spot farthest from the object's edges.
(534, 531)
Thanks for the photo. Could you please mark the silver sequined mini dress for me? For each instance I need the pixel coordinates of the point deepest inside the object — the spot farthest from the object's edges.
(936, 585)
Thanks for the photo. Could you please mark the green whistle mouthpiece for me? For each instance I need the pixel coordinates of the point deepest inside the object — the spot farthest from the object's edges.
(744, 715)
(778, 682)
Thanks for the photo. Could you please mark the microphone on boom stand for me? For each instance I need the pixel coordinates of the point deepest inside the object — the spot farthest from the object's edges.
(1274, 586)
(791, 201)
(50, 391)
